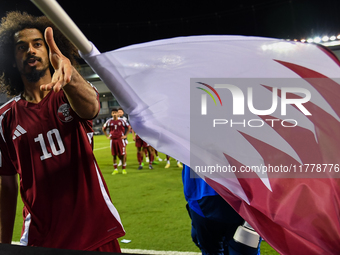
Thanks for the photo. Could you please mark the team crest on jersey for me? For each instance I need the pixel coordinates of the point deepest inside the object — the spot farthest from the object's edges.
(64, 113)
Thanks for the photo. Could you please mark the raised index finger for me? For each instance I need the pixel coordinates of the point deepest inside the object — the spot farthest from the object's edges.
(50, 42)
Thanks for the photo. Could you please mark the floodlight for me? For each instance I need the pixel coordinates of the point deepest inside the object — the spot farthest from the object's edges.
(325, 38)
(317, 39)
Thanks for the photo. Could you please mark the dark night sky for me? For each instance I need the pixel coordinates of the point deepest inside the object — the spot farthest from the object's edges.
(111, 24)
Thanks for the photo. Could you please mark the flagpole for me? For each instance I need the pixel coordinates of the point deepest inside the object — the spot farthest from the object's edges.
(125, 95)
(64, 23)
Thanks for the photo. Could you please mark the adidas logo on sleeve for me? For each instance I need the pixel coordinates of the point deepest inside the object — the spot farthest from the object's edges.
(18, 132)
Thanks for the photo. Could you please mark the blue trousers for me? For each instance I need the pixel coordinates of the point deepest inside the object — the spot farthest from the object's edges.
(214, 232)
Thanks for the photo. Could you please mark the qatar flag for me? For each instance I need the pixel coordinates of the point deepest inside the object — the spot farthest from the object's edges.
(256, 118)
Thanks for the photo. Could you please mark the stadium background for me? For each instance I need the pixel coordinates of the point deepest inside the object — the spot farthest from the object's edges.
(114, 24)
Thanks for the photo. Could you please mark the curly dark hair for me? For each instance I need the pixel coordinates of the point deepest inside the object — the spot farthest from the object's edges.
(10, 79)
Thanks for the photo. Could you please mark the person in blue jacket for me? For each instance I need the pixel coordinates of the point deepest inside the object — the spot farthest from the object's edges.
(214, 222)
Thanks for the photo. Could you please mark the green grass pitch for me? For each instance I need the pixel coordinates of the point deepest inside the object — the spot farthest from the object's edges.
(151, 203)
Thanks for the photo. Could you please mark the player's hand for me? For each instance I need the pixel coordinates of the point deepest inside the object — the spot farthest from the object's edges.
(124, 136)
(134, 138)
(61, 64)
(108, 137)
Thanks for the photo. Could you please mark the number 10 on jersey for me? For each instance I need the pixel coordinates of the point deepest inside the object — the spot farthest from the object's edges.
(55, 151)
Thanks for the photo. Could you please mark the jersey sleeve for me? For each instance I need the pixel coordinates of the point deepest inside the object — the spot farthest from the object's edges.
(6, 165)
(107, 123)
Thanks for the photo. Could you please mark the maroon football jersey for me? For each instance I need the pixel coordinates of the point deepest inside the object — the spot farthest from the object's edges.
(67, 203)
(116, 128)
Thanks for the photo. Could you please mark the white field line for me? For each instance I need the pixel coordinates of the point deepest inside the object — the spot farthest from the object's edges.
(138, 251)
(102, 148)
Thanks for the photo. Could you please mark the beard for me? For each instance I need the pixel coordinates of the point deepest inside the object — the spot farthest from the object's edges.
(35, 74)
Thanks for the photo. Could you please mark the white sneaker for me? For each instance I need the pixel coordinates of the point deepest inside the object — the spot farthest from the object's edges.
(147, 159)
(120, 163)
(159, 159)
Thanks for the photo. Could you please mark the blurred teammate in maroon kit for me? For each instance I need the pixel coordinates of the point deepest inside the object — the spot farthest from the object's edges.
(141, 145)
(179, 164)
(117, 135)
(127, 131)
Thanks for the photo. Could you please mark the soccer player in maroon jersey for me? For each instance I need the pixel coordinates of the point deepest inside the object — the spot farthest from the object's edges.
(117, 138)
(127, 130)
(141, 145)
(45, 138)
